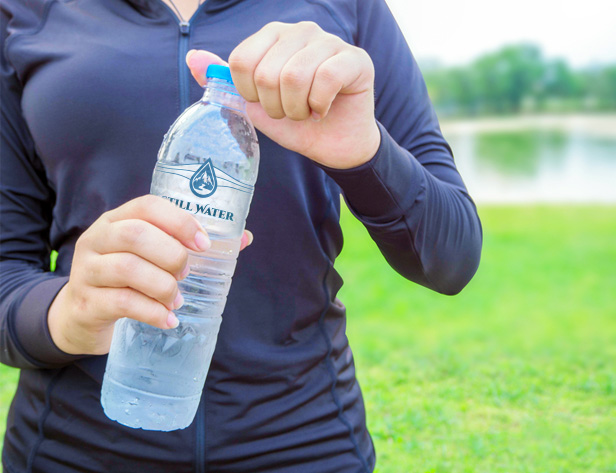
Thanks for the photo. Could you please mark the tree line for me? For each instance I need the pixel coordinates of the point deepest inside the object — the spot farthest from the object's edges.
(516, 79)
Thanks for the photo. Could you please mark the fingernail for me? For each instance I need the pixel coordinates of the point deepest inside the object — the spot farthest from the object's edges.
(189, 54)
(172, 320)
(315, 116)
(178, 301)
(202, 241)
(247, 238)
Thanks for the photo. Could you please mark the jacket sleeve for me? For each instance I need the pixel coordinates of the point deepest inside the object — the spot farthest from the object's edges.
(27, 288)
(410, 196)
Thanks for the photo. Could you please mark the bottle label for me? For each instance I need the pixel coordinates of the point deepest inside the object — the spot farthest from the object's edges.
(203, 182)
(212, 195)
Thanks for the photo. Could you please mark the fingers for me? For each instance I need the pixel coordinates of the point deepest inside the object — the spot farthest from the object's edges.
(126, 264)
(292, 70)
(329, 81)
(258, 62)
(120, 270)
(116, 303)
(296, 79)
(127, 285)
(267, 76)
(276, 67)
(297, 70)
(140, 238)
(144, 254)
(245, 58)
(162, 214)
(140, 250)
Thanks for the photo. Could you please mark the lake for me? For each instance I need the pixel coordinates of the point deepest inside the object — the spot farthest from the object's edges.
(568, 158)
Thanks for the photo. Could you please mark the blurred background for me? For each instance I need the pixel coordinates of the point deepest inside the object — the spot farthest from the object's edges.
(526, 93)
(518, 372)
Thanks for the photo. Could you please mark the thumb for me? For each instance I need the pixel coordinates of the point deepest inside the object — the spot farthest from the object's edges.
(278, 130)
(198, 62)
(259, 117)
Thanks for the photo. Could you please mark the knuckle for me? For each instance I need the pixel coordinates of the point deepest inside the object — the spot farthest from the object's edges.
(138, 203)
(274, 26)
(328, 73)
(309, 26)
(168, 289)
(178, 258)
(293, 78)
(131, 232)
(125, 267)
(105, 216)
(83, 242)
(89, 272)
(149, 199)
(144, 204)
(123, 301)
(364, 57)
(336, 43)
(240, 62)
(265, 79)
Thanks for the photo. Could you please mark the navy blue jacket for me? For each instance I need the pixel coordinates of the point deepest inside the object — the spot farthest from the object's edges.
(88, 90)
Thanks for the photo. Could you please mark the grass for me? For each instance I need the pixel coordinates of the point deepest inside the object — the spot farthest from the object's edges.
(515, 374)
(8, 381)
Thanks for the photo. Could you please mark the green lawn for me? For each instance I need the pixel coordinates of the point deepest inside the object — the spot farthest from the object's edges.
(515, 374)
(8, 380)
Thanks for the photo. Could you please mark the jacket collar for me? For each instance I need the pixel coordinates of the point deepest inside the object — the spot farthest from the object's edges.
(217, 5)
(156, 7)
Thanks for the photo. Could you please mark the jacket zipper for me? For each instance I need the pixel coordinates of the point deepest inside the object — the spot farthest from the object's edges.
(183, 49)
(184, 86)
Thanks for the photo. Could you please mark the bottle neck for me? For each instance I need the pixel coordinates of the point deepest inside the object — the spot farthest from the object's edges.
(223, 93)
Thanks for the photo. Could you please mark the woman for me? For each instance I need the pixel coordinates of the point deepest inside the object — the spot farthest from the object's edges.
(88, 90)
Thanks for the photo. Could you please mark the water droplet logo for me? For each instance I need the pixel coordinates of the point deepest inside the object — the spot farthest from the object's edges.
(203, 182)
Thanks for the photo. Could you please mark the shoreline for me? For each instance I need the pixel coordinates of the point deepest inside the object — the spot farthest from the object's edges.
(597, 125)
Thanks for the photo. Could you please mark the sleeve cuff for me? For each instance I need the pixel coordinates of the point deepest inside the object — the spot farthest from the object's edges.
(379, 190)
(32, 330)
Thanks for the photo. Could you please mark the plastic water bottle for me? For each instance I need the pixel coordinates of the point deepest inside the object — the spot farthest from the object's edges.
(208, 166)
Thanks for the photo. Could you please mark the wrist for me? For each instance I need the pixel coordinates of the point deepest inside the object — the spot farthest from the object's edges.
(370, 147)
(57, 323)
(363, 148)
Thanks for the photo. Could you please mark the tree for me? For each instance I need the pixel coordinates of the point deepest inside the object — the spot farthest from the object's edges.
(517, 77)
(508, 76)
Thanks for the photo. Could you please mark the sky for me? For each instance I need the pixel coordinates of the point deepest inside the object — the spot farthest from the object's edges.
(457, 31)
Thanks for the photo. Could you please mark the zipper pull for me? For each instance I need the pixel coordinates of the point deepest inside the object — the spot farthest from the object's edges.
(184, 28)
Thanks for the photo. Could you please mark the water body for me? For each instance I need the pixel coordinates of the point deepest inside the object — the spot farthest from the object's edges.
(570, 159)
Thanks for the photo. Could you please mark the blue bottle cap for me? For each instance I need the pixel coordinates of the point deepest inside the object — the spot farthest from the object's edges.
(216, 71)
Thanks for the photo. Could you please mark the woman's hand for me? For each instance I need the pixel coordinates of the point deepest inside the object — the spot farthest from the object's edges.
(308, 90)
(126, 264)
